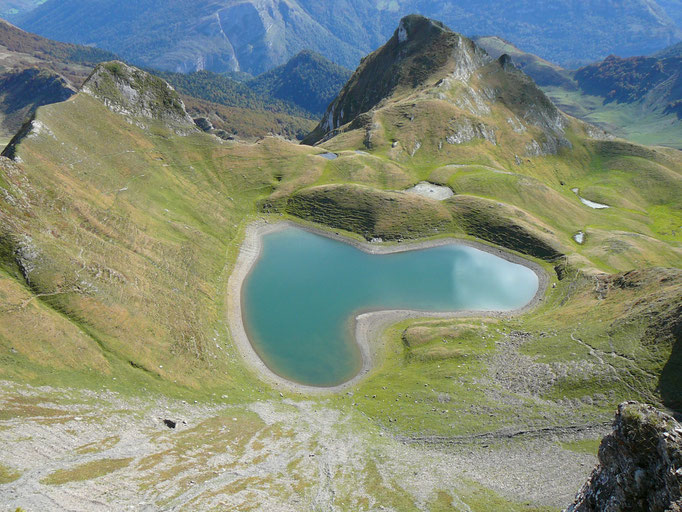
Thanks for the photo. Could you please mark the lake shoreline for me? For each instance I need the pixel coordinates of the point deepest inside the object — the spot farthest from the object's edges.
(368, 325)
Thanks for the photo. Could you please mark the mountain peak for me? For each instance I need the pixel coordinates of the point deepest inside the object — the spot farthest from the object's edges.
(414, 27)
(461, 91)
(421, 52)
(134, 93)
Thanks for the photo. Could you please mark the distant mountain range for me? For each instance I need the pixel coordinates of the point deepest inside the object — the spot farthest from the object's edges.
(256, 36)
(648, 80)
(542, 71)
(308, 80)
(285, 101)
(297, 93)
(635, 97)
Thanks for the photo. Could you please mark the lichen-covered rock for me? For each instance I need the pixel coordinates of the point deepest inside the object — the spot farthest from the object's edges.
(640, 465)
(204, 124)
(136, 94)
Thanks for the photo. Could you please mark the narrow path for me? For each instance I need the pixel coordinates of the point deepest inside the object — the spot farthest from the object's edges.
(599, 429)
(599, 355)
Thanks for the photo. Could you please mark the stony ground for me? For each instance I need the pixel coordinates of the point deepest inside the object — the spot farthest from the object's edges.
(89, 451)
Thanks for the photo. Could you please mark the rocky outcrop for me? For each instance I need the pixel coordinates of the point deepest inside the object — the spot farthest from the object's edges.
(138, 95)
(640, 465)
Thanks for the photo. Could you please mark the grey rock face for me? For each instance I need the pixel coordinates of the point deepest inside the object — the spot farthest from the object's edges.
(138, 96)
(640, 465)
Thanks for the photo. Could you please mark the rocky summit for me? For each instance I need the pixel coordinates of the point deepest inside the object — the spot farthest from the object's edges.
(137, 94)
(426, 67)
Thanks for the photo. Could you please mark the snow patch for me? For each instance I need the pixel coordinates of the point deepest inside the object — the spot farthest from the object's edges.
(587, 202)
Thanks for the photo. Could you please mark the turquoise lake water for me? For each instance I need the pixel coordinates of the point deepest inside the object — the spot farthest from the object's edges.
(301, 297)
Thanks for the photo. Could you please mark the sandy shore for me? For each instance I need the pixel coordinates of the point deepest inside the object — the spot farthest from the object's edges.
(368, 326)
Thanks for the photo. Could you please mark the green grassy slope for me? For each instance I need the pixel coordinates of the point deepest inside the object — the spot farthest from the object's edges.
(118, 234)
(585, 350)
(125, 248)
(111, 228)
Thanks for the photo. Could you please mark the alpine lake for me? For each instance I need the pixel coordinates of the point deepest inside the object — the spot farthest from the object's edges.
(302, 295)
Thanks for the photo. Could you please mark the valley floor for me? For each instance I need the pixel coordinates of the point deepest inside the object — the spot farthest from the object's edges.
(68, 449)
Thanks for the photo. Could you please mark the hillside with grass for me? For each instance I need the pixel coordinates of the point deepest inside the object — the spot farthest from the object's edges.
(121, 222)
(639, 98)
